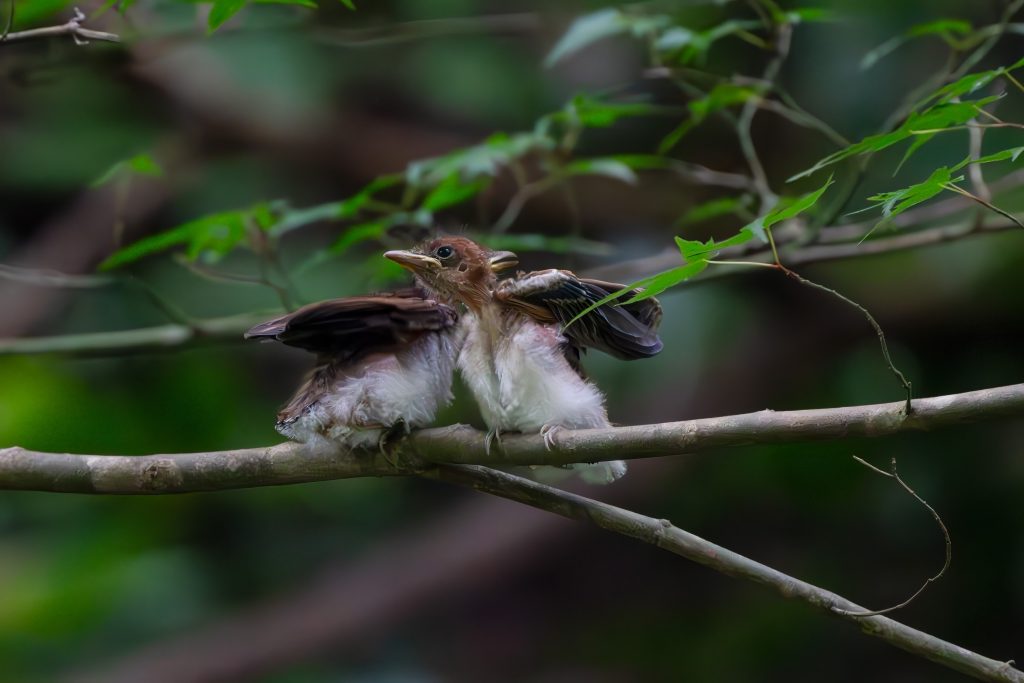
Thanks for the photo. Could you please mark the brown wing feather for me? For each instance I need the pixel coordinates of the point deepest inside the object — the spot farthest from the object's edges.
(627, 332)
(347, 329)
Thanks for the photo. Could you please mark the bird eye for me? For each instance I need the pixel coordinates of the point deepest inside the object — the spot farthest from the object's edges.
(444, 252)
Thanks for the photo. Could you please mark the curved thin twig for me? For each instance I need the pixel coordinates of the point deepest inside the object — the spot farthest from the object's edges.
(893, 474)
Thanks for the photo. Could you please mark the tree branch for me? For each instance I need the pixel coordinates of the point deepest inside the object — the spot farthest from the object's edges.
(72, 28)
(664, 535)
(212, 330)
(291, 463)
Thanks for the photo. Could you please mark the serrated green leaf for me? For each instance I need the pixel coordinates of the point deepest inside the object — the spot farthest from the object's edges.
(695, 250)
(784, 212)
(896, 202)
(652, 286)
(221, 11)
(452, 190)
(1007, 154)
(610, 168)
(938, 117)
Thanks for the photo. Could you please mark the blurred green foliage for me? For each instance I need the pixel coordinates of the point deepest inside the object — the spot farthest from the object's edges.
(282, 152)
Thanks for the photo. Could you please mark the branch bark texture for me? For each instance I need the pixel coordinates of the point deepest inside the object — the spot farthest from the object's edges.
(291, 463)
(661, 533)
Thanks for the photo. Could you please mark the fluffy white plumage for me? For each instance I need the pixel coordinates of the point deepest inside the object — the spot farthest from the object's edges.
(522, 382)
(409, 386)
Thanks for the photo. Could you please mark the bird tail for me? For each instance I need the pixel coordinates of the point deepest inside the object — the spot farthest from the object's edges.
(598, 473)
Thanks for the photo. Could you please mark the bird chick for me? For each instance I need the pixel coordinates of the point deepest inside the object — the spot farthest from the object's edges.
(383, 362)
(518, 358)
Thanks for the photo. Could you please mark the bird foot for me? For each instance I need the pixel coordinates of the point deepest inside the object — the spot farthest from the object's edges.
(493, 435)
(389, 437)
(548, 432)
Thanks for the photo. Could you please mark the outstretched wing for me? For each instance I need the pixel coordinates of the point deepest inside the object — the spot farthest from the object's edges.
(347, 329)
(627, 332)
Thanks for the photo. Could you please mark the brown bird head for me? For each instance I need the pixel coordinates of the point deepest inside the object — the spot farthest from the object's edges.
(456, 268)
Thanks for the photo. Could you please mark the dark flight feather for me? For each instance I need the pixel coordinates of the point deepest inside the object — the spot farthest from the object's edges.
(627, 332)
(354, 327)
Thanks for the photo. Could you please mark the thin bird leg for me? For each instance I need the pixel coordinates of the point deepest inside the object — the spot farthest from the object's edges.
(549, 431)
(493, 435)
(390, 435)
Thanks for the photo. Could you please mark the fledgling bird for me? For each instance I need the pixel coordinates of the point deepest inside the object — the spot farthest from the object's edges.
(383, 362)
(518, 358)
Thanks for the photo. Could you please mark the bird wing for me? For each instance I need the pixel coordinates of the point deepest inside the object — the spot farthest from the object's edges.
(628, 331)
(346, 329)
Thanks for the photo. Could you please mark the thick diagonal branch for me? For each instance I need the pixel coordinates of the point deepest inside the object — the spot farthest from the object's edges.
(293, 463)
(663, 534)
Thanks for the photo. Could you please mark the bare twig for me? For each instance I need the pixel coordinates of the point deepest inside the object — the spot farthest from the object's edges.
(72, 28)
(893, 474)
(292, 463)
(905, 383)
(662, 534)
(783, 34)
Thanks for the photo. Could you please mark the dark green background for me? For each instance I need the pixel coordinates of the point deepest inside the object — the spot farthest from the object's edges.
(270, 107)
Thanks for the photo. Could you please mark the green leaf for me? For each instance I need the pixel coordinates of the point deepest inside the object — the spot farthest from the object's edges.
(452, 190)
(713, 209)
(610, 168)
(938, 117)
(585, 30)
(601, 24)
(695, 250)
(1012, 154)
(721, 96)
(785, 212)
(593, 113)
(652, 286)
(357, 234)
(898, 201)
(221, 11)
(553, 244)
(809, 14)
(941, 27)
(944, 28)
(140, 164)
(349, 3)
(695, 48)
(485, 159)
(216, 234)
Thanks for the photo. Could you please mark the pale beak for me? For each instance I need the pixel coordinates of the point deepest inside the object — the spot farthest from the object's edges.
(410, 260)
(503, 260)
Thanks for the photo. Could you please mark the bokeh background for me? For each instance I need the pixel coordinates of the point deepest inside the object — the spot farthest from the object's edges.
(405, 580)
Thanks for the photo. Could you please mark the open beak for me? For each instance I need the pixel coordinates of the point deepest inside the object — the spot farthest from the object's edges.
(410, 260)
(503, 260)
